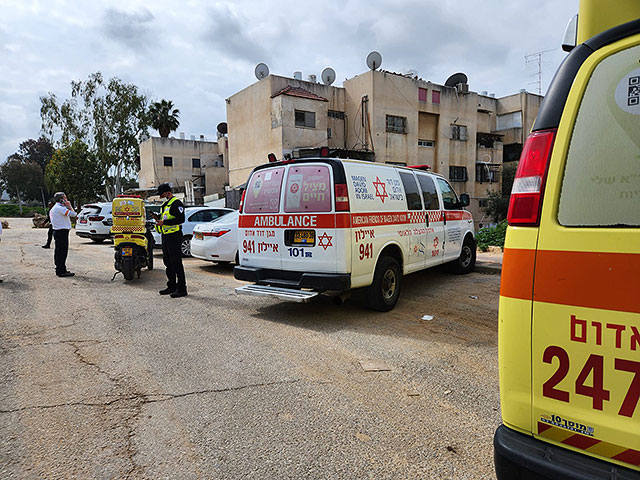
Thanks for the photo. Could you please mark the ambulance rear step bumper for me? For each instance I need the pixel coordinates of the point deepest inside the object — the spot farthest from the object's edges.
(289, 279)
(300, 296)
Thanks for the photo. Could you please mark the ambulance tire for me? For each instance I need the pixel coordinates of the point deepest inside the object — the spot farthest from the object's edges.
(127, 268)
(467, 260)
(384, 292)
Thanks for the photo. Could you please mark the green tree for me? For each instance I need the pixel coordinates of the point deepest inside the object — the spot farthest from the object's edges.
(110, 117)
(498, 202)
(38, 151)
(21, 179)
(76, 171)
(164, 117)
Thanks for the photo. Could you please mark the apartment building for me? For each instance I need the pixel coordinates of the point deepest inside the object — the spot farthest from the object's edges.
(387, 117)
(177, 161)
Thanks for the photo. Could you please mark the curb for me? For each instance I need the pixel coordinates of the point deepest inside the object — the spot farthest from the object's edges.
(488, 268)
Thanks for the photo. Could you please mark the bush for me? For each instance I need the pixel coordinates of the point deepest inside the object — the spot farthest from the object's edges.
(491, 236)
(10, 210)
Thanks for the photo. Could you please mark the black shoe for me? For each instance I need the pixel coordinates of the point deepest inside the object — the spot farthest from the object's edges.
(167, 291)
(178, 294)
(46, 246)
(66, 274)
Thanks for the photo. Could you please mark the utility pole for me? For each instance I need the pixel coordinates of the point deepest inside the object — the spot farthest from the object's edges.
(536, 59)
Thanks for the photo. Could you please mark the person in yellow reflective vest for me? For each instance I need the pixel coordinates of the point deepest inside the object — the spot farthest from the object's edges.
(168, 225)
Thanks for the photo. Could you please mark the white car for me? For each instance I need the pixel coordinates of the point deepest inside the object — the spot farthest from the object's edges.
(192, 217)
(217, 241)
(95, 221)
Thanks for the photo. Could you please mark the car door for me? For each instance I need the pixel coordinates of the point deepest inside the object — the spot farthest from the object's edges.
(586, 308)
(434, 220)
(451, 219)
(418, 232)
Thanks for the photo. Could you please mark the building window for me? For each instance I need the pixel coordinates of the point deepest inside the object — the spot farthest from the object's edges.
(483, 203)
(487, 173)
(305, 119)
(195, 163)
(329, 132)
(459, 132)
(168, 161)
(396, 124)
(509, 120)
(422, 94)
(458, 174)
(511, 152)
(426, 143)
(336, 114)
(435, 97)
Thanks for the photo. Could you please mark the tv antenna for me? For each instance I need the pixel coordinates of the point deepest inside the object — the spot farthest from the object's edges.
(328, 76)
(261, 71)
(536, 59)
(374, 60)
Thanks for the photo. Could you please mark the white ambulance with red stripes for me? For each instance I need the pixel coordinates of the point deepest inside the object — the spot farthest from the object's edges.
(315, 225)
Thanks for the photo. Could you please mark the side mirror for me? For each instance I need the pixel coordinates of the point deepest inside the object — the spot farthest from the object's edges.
(464, 200)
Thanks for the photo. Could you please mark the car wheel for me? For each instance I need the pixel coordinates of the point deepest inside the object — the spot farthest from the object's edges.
(384, 292)
(185, 247)
(467, 259)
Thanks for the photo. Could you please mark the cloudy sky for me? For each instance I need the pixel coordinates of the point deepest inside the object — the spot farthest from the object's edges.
(197, 53)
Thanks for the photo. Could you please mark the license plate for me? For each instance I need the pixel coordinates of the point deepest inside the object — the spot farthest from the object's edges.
(127, 251)
(304, 237)
(198, 235)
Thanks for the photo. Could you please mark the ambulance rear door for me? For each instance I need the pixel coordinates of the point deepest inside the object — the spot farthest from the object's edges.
(586, 308)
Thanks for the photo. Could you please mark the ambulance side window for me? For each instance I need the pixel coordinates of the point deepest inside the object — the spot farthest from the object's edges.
(263, 191)
(429, 192)
(308, 189)
(449, 197)
(411, 191)
(601, 181)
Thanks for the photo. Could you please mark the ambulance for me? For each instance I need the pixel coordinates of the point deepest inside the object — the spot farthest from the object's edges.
(569, 313)
(316, 225)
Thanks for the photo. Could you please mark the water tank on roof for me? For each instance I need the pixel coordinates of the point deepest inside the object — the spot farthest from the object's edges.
(312, 78)
(297, 75)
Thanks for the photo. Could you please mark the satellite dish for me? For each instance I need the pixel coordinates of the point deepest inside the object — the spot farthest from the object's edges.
(222, 128)
(455, 79)
(328, 76)
(374, 60)
(261, 71)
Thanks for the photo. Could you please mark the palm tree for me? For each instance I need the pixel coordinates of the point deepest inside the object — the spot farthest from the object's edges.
(164, 117)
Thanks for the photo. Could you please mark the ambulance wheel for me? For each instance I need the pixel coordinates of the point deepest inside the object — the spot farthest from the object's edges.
(127, 268)
(384, 292)
(185, 246)
(467, 259)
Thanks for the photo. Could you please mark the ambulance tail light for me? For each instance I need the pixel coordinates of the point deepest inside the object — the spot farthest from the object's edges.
(342, 197)
(242, 201)
(528, 186)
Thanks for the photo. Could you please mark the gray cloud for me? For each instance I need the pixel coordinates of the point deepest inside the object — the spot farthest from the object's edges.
(228, 33)
(130, 29)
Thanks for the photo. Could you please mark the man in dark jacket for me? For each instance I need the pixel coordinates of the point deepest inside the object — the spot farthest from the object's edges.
(168, 224)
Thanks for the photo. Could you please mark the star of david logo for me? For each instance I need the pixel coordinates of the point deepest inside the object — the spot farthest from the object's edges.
(380, 185)
(435, 242)
(324, 241)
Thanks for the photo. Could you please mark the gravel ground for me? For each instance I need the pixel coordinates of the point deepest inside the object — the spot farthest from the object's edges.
(102, 379)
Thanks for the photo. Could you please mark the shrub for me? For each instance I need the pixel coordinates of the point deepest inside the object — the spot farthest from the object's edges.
(11, 210)
(491, 236)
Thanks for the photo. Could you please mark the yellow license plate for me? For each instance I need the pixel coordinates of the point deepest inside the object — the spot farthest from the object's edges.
(127, 251)
(198, 235)
(304, 237)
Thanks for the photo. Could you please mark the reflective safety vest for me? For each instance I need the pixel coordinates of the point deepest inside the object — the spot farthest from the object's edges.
(165, 215)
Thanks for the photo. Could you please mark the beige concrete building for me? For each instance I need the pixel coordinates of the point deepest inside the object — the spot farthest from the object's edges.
(398, 119)
(176, 161)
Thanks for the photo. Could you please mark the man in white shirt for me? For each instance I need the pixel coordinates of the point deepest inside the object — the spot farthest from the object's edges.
(59, 215)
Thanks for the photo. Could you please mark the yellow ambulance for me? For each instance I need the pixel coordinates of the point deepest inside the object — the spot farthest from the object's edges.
(569, 321)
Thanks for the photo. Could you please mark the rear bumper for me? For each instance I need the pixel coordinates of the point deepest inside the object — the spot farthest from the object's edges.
(288, 279)
(519, 456)
(96, 236)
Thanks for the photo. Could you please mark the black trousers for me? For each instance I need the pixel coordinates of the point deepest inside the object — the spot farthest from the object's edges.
(172, 258)
(61, 250)
(49, 235)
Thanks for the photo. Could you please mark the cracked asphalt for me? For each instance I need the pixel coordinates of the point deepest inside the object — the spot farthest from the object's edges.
(107, 380)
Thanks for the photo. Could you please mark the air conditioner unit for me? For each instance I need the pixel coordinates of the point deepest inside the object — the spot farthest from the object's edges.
(462, 87)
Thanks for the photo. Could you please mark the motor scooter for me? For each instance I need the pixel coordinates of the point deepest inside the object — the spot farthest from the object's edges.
(132, 238)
